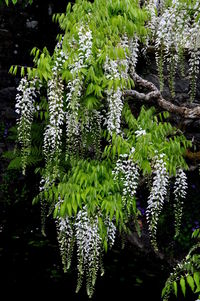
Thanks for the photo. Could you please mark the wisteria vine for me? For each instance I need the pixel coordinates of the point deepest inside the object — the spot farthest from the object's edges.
(86, 122)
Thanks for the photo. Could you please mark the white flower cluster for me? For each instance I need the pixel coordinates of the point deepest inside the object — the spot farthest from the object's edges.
(177, 31)
(140, 132)
(127, 172)
(84, 231)
(25, 107)
(111, 231)
(85, 44)
(180, 191)
(125, 44)
(193, 45)
(88, 249)
(55, 92)
(53, 131)
(157, 196)
(116, 70)
(153, 6)
(75, 87)
(114, 97)
(134, 49)
(65, 236)
(72, 134)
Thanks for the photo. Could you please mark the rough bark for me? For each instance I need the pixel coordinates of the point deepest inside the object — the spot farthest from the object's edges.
(154, 96)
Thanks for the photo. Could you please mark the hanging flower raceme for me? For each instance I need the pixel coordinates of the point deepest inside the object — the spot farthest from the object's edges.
(88, 249)
(124, 63)
(157, 196)
(75, 88)
(25, 107)
(176, 32)
(193, 45)
(53, 132)
(82, 230)
(134, 49)
(171, 36)
(114, 97)
(65, 236)
(117, 72)
(55, 94)
(111, 231)
(180, 191)
(127, 172)
(153, 6)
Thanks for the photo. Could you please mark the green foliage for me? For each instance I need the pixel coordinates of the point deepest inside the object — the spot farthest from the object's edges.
(14, 156)
(14, 2)
(160, 137)
(185, 275)
(90, 183)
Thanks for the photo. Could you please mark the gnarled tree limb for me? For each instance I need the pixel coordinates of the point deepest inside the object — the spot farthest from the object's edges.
(155, 96)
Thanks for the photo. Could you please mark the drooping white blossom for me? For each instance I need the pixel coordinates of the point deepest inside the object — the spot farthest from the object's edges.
(65, 236)
(157, 196)
(55, 95)
(88, 243)
(125, 44)
(114, 98)
(82, 230)
(75, 87)
(134, 50)
(53, 132)
(176, 33)
(25, 108)
(180, 192)
(128, 173)
(111, 231)
(193, 45)
(117, 71)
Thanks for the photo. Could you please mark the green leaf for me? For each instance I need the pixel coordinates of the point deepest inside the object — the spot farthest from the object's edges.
(196, 277)
(164, 291)
(90, 89)
(91, 102)
(69, 209)
(74, 203)
(15, 163)
(190, 281)
(196, 233)
(175, 288)
(22, 72)
(182, 284)
(15, 70)
(11, 69)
